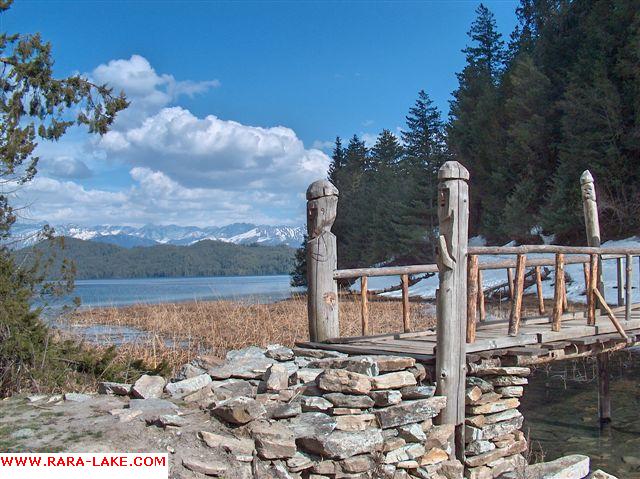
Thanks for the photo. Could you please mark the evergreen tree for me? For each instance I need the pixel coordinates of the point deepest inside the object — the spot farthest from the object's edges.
(338, 162)
(416, 226)
(299, 273)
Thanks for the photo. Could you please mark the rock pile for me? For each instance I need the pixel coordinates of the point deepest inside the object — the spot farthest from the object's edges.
(301, 413)
(494, 441)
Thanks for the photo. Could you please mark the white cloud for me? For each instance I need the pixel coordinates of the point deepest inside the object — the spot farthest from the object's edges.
(183, 169)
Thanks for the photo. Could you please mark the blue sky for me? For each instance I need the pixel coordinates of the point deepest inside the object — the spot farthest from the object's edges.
(234, 105)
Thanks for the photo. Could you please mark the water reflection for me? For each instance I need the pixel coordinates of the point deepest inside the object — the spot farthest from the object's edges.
(560, 406)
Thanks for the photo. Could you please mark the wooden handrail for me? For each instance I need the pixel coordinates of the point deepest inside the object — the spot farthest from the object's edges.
(385, 271)
(553, 249)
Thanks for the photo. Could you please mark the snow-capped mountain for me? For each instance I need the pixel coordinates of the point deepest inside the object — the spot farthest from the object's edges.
(149, 235)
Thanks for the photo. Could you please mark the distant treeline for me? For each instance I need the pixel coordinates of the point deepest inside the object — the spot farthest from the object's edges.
(206, 258)
(530, 114)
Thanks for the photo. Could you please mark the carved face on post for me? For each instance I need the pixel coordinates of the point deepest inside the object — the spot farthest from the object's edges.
(322, 206)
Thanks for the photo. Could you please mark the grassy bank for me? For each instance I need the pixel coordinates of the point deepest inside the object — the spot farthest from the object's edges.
(215, 327)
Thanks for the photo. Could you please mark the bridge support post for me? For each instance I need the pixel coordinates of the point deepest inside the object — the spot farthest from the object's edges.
(592, 225)
(453, 216)
(322, 260)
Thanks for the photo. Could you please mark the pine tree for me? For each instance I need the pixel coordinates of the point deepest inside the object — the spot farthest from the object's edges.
(338, 162)
(299, 273)
(425, 148)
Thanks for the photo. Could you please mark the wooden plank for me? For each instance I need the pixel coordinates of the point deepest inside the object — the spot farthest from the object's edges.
(472, 297)
(405, 303)
(611, 315)
(501, 342)
(565, 333)
(384, 271)
(351, 349)
(510, 282)
(557, 293)
(516, 303)
(604, 325)
(364, 306)
(619, 281)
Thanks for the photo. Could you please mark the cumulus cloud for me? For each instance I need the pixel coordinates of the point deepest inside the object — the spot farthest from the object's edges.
(66, 167)
(183, 168)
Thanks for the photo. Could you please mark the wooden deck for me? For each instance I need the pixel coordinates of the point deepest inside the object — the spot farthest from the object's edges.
(535, 340)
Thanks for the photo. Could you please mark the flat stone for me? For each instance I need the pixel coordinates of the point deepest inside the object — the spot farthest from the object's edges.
(502, 381)
(152, 405)
(434, 456)
(240, 410)
(207, 467)
(412, 433)
(317, 353)
(315, 404)
(148, 387)
(239, 447)
(356, 464)
(479, 447)
(494, 407)
(326, 467)
(343, 444)
(484, 385)
(242, 367)
(510, 391)
(485, 398)
(394, 380)
(475, 421)
(276, 377)
(341, 411)
(39, 397)
(472, 394)
(284, 411)
(503, 371)
(306, 375)
(117, 389)
(410, 411)
(76, 397)
(417, 392)
(387, 364)
(273, 440)
(299, 462)
(438, 436)
(482, 472)
(349, 400)
(231, 388)
(502, 416)
(188, 371)
(515, 464)
(600, 474)
(165, 420)
(385, 398)
(337, 380)
(279, 352)
(491, 431)
(575, 466)
(357, 364)
(311, 424)
(404, 453)
(126, 415)
(487, 457)
(392, 443)
(187, 386)
(358, 422)
(248, 352)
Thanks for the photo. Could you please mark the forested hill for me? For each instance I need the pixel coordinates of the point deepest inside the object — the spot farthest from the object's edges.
(206, 258)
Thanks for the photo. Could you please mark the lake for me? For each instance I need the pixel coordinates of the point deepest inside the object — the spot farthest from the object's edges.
(122, 292)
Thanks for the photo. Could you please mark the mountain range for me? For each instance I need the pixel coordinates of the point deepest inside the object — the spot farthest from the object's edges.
(151, 235)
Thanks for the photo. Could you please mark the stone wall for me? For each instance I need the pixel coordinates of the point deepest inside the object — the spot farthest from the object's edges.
(320, 414)
(494, 439)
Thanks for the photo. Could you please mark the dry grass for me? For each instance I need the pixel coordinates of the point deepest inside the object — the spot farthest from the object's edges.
(180, 331)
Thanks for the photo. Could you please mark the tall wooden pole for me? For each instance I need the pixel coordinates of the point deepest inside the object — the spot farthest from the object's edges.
(453, 216)
(322, 261)
(592, 225)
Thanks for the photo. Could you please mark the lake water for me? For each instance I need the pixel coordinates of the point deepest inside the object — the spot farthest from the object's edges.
(121, 292)
(560, 407)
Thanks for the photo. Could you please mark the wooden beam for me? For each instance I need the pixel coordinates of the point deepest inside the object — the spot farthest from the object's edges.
(619, 281)
(405, 303)
(322, 259)
(453, 216)
(593, 286)
(364, 305)
(481, 308)
(604, 395)
(539, 290)
(385, 271)
(472, 297)
(611, 315)
(628, 286)
(557, 293)
(552, 249)
(516, 303)
(510, 282)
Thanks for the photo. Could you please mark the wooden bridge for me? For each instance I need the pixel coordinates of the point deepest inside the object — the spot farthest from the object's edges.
(463, 334)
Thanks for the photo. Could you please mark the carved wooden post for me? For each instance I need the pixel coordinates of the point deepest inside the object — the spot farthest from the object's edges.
(322, 260)
(453, 215)
(592, 225)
